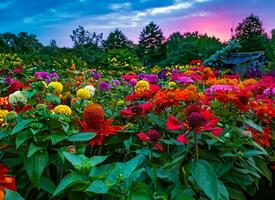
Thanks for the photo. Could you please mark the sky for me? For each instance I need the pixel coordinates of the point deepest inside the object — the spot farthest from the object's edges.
(55, 19)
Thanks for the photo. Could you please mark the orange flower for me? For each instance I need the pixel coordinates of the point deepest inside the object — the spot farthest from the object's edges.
(166, 98)
(94, 121)
(261, 138)
(6, 182)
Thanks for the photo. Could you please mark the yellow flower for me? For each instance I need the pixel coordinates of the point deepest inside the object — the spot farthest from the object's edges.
(58, 87)
(83, 93)
(250, 81)
(172, 84)
(141, 87)
(142, 84)
(120, 103)
(62, 109)
(3, 114)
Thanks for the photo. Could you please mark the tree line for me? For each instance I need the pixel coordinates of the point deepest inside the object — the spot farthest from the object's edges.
(152, 48)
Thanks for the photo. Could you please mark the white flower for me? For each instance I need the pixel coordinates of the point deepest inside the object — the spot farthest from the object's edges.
(17, 97)
(91, 89)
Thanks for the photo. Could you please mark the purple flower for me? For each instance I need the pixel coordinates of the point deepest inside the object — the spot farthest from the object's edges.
(115, 82)
(142, 76)
(185, 79)
(267, 91)
(8, 80)
(162, 74)
(273, 91)
(54, 76)
(104, 86)
(153, 78)
(133, 82)
(96, 75)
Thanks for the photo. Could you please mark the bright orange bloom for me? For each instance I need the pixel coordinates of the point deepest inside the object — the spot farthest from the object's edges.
(263, 109)
(166, 98)
(6, 182)
(94, 121)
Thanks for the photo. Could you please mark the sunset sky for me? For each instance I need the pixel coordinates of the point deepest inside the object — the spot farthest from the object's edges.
(55, 19)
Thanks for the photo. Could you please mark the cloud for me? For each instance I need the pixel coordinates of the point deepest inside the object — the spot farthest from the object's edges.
(119, 6)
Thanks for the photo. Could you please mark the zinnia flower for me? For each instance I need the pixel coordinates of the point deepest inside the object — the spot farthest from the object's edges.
(58, 87)
(104, 86)
(152, 136)
(94, 121)
(262, 139)
(63, 110)
(83, 93)
(197, 120)
(6, 182)
(91, 89)
(17, 97)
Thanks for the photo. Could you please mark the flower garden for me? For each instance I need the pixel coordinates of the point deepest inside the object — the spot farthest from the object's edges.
(180, 133)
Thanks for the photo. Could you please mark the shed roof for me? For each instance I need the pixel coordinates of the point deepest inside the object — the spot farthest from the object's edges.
(238, 58)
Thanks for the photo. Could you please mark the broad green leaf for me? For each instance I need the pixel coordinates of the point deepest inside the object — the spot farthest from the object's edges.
(32, 149)
(252, 153)
(252, 125)
(21, 125)
(97, 187)
(223, 193)
(102, 171)
(35, 166)
(95, 160)
(140, 191)
(67, 182)
(21, 138)
(74, 159)
(181, 192)
(47, 185)
(12, 195)
(156, 120)
(263, 168)
(80, 137)
(57, 138)
(205, 176)
(236, 194)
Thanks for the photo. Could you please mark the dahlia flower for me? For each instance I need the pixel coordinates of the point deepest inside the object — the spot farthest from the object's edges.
(58, 87)
(91, 89)
(83, 93)
(17, 97)
(63, 110)
(6, 182)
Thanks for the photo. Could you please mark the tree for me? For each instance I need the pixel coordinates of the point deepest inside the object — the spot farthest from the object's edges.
(84, 38)
(116, 40)
(150, 47)
(53, 44)
(251, 34)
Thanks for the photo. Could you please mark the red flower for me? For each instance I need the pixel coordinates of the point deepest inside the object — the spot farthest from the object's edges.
(136, 110)
(94, 121)
(261, 138)
(15, 85)
(153, 89)
(197, 120)
(183, 138)
(6, 182)
(152, 136)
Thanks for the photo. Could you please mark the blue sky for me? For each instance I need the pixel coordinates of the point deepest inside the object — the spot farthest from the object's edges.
(55, 19)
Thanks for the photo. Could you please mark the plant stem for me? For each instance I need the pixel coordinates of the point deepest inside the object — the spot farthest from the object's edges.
(196, 146)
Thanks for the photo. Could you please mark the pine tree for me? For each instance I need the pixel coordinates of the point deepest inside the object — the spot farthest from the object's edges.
(150, 47)
(251, 34)
(116, 40)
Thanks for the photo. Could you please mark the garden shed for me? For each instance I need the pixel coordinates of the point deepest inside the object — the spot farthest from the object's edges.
(245, 62)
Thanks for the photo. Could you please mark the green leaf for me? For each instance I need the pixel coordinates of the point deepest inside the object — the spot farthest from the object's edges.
(252, 153)
(263, 168)
(21, 125)
(236, 194)
(12, 195)
(97, 187)
(74, 159)
(47, 185)
(140, 191)
(252, 125)
(95, 160)
(33, 149)
(156, 120)
(80, 137)
(57, 138)
(205, 176)
(35, 166)
(223, 193)
(67, 182)
(21, 138)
